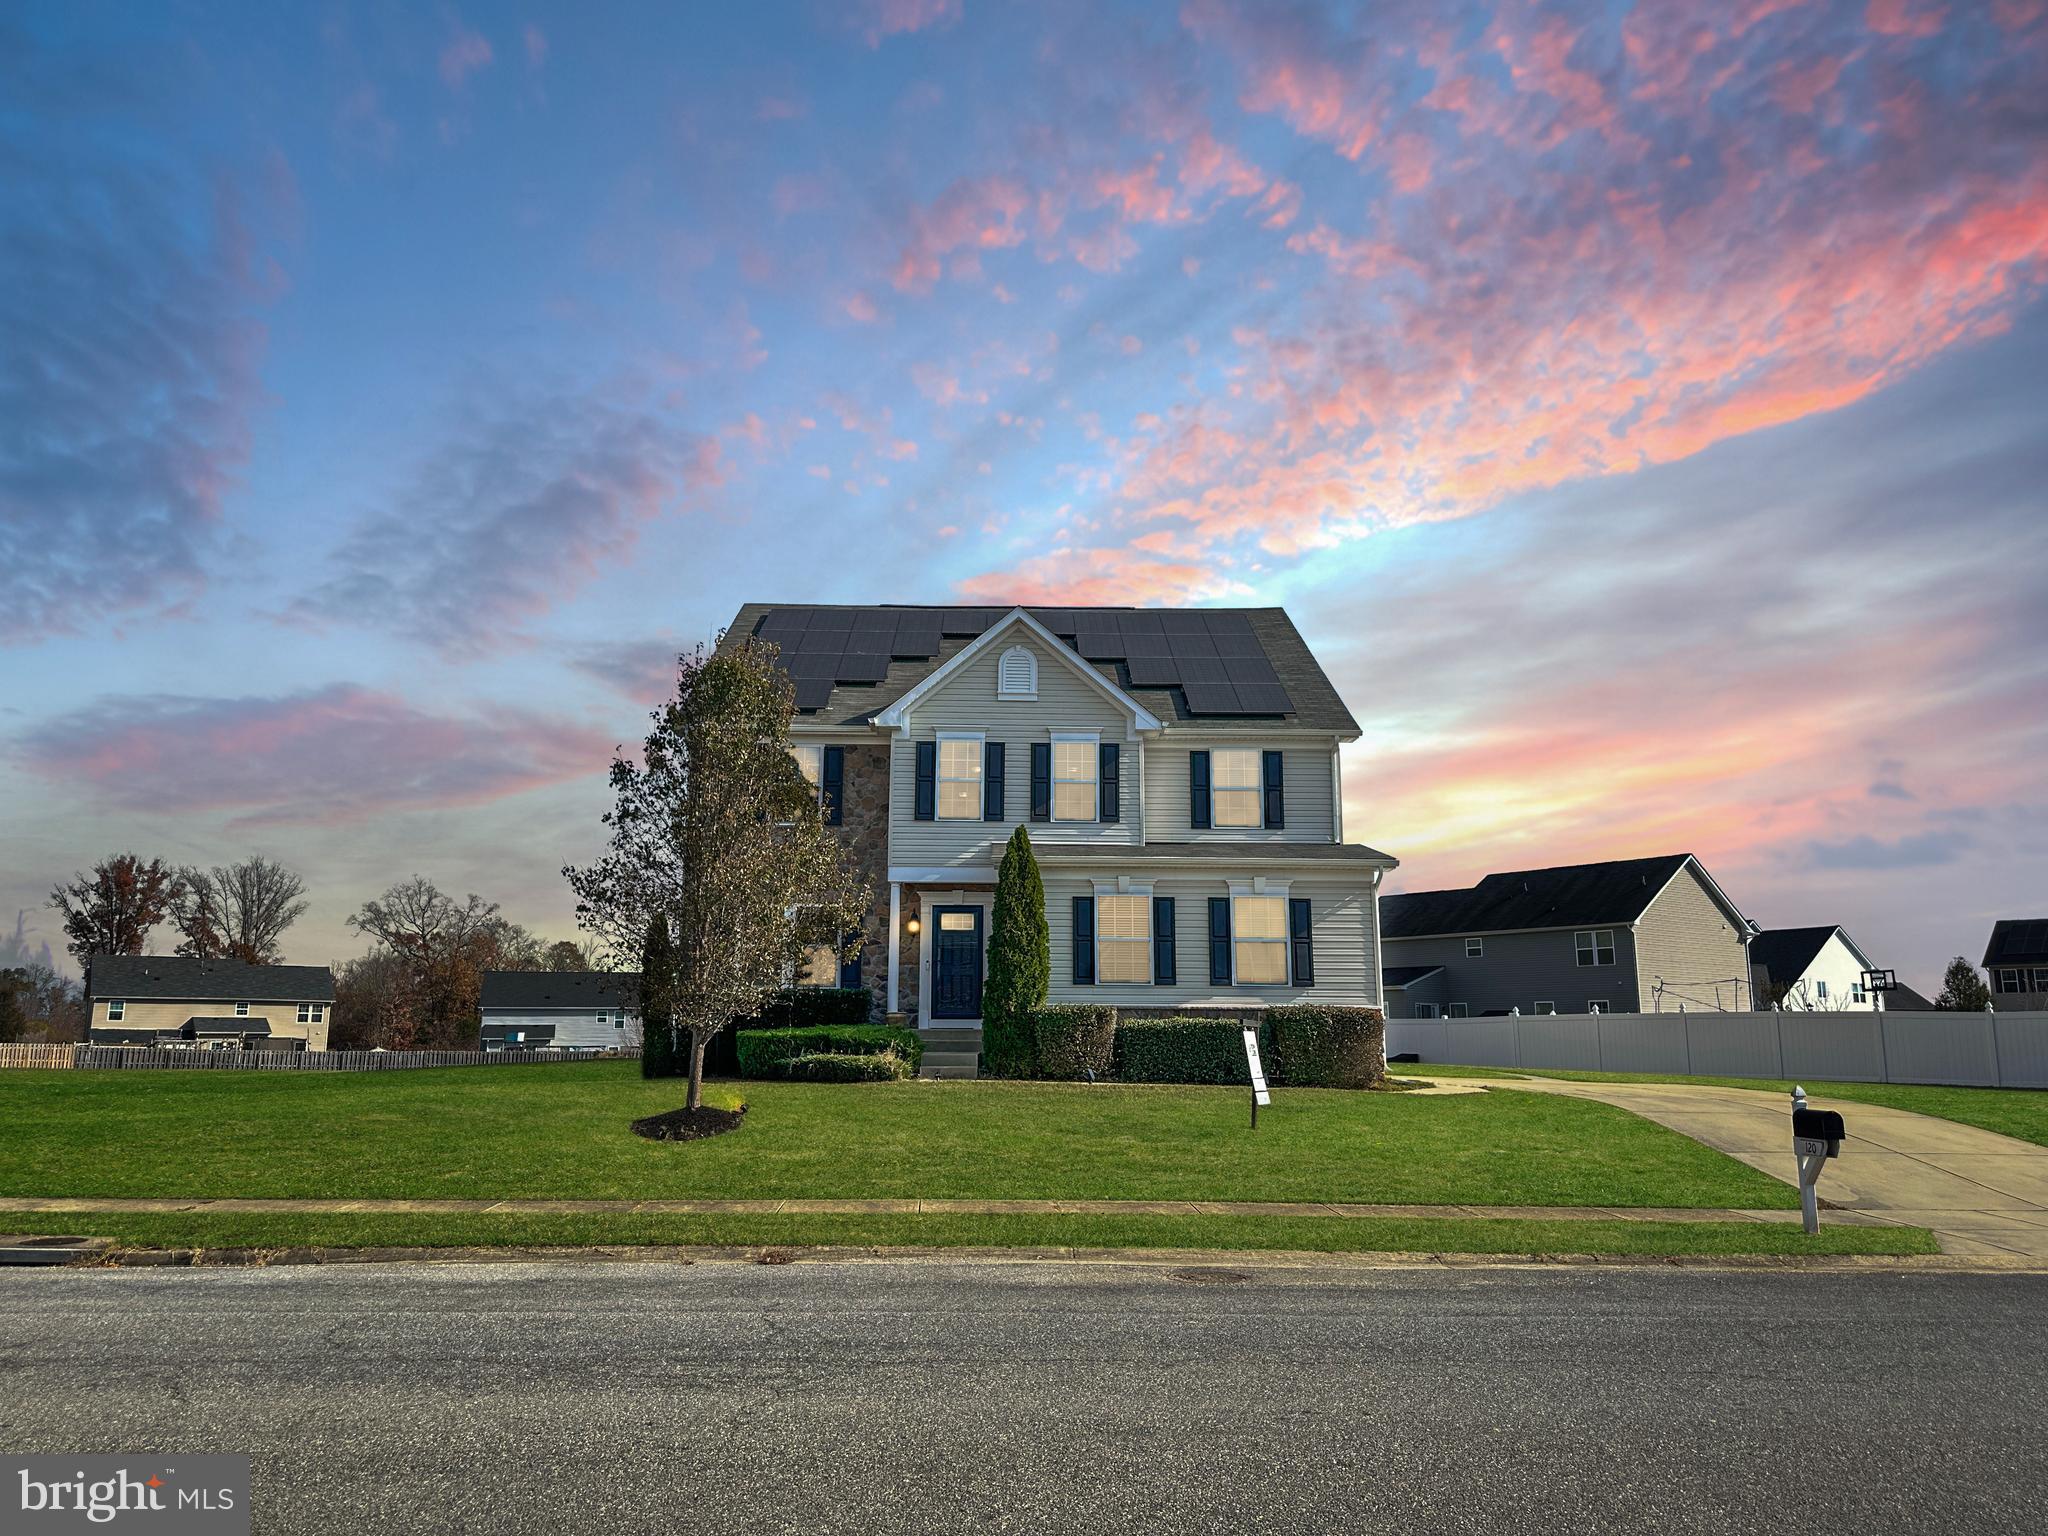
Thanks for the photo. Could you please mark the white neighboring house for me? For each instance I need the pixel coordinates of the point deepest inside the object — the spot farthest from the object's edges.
(561, 1010)
(1811, 970)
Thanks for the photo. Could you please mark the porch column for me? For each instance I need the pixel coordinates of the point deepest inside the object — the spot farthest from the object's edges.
(895, 939)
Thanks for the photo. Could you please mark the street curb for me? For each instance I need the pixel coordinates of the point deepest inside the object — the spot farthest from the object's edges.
(1227, 1259)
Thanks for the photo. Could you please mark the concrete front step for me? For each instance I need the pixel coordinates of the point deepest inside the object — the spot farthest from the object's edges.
(950, 1051)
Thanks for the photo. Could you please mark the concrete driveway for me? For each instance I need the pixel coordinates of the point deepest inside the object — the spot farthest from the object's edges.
(1978, 1192)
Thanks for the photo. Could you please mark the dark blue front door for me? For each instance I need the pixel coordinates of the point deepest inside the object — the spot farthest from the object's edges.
(956, 963)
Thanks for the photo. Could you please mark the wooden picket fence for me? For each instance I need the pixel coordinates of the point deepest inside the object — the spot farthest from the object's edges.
(146, 1058)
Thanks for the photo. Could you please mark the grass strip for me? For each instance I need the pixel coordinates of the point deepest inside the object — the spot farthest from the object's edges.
(1307, 1234)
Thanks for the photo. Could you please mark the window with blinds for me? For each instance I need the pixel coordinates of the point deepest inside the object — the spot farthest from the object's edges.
(1123, 938)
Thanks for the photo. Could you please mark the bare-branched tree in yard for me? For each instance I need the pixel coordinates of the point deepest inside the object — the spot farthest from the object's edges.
(239, 911)
(717, 830)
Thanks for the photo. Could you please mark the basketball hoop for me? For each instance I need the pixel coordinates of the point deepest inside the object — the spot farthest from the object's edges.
(1881, 981)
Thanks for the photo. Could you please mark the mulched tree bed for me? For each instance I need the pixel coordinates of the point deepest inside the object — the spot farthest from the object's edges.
(688, 1124)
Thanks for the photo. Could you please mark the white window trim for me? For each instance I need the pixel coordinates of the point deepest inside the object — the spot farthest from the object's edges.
(1599, 1002)
(1003, 688)
(1425, 1010)
(1123, 885)
(1593, 934)
(1457, 1010)
(1545, 1008)
(940, 781)
(1259, 885)
(1475, 949)
(1093, 739)
(117, 1009)
(1257, 790)
(241, 1010)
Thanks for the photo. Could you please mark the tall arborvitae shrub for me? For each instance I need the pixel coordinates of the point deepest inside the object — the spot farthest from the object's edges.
(1019, 964)
(658, 1054)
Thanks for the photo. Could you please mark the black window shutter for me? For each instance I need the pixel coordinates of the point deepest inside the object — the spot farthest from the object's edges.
(1301, 940)
(1109, 784)
(992, 787)
(927, 781)
(1198, 791)
(1041, 781)
(833, 789)
(1219, 941)
(1276, 794)
(849, 969)
(1163, 970)
(1084, 941)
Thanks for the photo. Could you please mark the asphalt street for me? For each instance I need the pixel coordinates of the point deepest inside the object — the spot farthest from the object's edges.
(907, 1396)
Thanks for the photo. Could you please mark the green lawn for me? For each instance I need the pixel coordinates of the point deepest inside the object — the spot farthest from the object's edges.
(2018, 1112)
(1324, 1234)
(560, 1132)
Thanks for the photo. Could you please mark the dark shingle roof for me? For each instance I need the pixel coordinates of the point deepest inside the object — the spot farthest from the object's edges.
(2018, 938)
(1053, 852)
(1402, 975)
(1903, 999)
(1785, 953)
(528, 991)
(1616, 892)
(1311, 700)
(183, 978)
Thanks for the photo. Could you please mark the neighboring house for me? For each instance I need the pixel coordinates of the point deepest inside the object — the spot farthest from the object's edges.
(1811, 970)
(561, 1010)
(1177, 769)
(2016, 963)
(176, 1001)
(1903, 999)
(1628, 936)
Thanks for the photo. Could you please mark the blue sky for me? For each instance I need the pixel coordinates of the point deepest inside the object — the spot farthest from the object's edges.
(1638, 408)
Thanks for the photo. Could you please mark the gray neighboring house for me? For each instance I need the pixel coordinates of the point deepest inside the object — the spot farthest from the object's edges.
(2016, 963)
(1626, 936)
(561, 1010)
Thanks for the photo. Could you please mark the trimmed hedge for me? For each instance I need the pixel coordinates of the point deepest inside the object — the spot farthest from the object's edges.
(815, 1007)
(767, 1052)
(873, 1067)
(1073, 1039)
(1182, 1050)
(1317, 1046)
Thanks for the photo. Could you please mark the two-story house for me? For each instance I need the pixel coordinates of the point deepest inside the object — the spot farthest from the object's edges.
(181, 1001)
(1177, 768)
(2016, 963)
(1812, 970)
(560, 1010)
(1627, 936)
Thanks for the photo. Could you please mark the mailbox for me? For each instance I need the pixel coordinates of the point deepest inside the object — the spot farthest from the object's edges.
(1817, 1135)
(1818, 1125)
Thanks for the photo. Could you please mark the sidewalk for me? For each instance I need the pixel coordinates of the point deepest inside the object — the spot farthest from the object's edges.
(97, 1206)
(1979, 1193)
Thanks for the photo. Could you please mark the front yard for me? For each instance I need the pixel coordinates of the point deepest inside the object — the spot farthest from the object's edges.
(560, 1132)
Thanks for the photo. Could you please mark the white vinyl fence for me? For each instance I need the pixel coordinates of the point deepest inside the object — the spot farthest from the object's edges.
(1987, 1050)
(144, 1058)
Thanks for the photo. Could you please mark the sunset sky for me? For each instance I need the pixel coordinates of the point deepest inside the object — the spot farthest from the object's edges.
(1643, 412)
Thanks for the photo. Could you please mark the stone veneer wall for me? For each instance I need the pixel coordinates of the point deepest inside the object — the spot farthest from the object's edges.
(864, 824)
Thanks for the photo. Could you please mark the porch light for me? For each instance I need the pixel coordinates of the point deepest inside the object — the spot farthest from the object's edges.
(912, 926)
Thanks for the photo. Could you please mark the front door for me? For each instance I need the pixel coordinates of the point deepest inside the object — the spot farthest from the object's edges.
(956, 963)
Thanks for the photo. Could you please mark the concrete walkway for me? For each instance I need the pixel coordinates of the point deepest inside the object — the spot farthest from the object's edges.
(1978, 1192)
(98, 1206)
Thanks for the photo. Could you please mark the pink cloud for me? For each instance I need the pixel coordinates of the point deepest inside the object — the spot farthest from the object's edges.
(1106, 576)
(536, 42)
(329, 756)
(1904, 18)
(466, 53)
(977, 214)
(884, 19)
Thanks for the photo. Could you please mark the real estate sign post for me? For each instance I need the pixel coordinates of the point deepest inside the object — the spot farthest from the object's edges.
(1258, 1072)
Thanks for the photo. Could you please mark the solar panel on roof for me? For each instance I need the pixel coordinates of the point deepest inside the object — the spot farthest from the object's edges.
(864, 667)
(1183, 622)
(826, 619)
(803, 665)
(1246, 644)
(1227, 623)
(1202, 669)
(1100, 645)
(1154, 671)
(1146, 645)
(1190, 646)
(1139, 624)
(1248, 669)
(1211, 699)
(813, 694)
(1263, 699)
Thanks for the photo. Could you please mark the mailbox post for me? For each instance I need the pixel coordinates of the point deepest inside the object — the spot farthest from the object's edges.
(1817, 1135)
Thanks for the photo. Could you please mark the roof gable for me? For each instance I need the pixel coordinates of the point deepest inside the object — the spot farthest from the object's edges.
(2016, 939)
(994, 639)
(1786, 953)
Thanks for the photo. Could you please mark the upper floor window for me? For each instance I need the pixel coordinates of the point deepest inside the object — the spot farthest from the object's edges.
(959, 777)
(1857, 993)
(1820, 990)
(1595, 947)
(1074, 760)
(1475, 949)
(1425, 1010)
(1017, 674)
(1123, 937)
(1457, 1010)
(810, 762)
(117, 1009)
(2008, 981)
(1545, 1007)
(312, 1013)
(241, 1010)
(1259, 933)
(1235, 786)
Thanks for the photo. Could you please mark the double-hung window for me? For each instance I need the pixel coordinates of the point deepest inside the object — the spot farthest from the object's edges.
(810, 762)
(1123, 937)
(117, 1009)
(1543, 1005)
(2008, 981)
(1857, 994)
(1425, 1010)
(1475, 949)
(312, 1013)
(1235, 787)
(1457, 1010)
(819, 966)
(959, 797)
(241, 1010)
(1075, 759)
(1595, 946)
(1258, 927)
(1820, 990)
